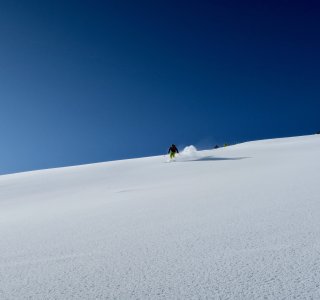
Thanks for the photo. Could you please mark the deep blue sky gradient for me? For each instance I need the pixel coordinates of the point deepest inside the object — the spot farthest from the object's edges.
(90, 81)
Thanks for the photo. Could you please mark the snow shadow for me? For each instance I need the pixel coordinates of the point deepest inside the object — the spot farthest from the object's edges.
(210, 158)
(191, 153)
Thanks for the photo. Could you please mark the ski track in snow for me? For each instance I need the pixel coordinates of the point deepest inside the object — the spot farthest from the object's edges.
(240, 222)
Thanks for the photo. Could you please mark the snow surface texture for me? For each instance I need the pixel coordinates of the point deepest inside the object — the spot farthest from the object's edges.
(241, 222)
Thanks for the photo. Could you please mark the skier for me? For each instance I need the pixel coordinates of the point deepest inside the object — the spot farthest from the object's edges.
(172, 151)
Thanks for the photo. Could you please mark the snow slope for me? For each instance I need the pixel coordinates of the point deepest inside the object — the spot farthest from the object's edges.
(241, 222)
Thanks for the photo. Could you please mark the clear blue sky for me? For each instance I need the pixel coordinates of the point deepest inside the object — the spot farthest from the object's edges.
(90, 81)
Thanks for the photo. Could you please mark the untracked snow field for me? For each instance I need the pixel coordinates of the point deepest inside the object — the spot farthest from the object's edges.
(241, 222)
